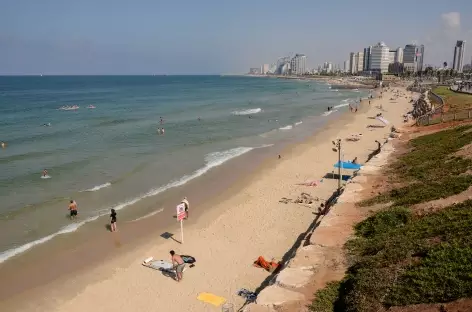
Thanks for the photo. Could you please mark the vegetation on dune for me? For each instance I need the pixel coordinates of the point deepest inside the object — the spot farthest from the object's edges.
(431, 170)
(326, 298)
(454, 101)
(399, 258)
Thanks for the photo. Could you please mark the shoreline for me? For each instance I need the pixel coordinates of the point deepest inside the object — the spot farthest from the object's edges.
(125, 257)
(346, 83)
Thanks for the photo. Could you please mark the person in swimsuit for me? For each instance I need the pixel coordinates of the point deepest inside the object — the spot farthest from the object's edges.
(178, 264)
(73, 209)
(4, 144)
(113, 220)
(45, 173)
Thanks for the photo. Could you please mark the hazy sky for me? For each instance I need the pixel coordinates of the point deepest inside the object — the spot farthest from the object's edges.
(210, 36)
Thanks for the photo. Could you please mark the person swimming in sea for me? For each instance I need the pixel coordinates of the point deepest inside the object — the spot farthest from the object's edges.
(45, 173)
(4, 144)
(162, 131)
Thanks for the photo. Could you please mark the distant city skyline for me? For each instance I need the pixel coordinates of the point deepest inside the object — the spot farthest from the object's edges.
(213, 37)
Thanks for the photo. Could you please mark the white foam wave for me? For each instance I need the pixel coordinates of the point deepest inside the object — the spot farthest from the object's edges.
(286, 127)
(328, 113)
(247, 111)
(298, 123)
(341, 105)
(211, 160)
(148, 215)
(98, 187)
(66, 229)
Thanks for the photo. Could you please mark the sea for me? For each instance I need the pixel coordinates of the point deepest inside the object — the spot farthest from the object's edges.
(107, 152)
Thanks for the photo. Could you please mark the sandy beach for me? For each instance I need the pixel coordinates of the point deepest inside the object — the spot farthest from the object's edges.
(244, 222)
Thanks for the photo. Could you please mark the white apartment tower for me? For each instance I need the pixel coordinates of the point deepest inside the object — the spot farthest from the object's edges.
(360, 61)
(399, 55)
(346, 66)
(459, 51)
(352, 63)
(298, 64)
(264, 69)
(380, 58)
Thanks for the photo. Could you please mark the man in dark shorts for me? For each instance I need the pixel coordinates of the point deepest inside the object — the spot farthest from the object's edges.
(73, 209)
(179, 265)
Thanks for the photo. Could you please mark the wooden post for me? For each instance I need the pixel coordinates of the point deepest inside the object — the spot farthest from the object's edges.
(182, 231)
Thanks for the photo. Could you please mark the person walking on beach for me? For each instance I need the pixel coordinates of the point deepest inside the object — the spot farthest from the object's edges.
(113, 220)
(187, 206)
(73, 209)
(178, 264)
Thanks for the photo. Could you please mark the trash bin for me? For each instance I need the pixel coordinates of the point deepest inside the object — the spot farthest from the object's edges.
(227, 307)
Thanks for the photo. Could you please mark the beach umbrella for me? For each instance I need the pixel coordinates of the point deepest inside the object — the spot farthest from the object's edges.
(347, 165)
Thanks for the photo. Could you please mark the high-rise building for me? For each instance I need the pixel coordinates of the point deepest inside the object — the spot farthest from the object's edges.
(329, 67)
(413, 58)
(346, 66)
(392, 54)
(360, 61)
(352, 63)
(459, 51)
(367, 54)
(399, 55)
(380, 58)
(264, 69)
(298, 64)
(420, 58)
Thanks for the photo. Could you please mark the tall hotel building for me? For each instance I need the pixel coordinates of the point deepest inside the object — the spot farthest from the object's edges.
(459, 51)
(380, 58)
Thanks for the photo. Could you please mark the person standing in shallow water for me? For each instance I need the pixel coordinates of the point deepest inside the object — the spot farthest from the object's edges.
(73, 209)
(113, 220)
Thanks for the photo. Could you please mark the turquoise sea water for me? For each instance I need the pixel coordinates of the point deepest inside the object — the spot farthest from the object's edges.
(112, 156)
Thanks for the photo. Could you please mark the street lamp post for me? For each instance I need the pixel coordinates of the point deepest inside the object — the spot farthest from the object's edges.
(337, 144)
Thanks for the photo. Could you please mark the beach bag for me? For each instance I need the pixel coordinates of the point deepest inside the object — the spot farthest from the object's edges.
(188, 259)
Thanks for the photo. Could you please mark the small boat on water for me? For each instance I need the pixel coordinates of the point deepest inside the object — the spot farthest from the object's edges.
(91, 107)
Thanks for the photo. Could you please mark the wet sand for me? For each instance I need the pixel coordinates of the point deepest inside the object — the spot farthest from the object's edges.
(226, 233)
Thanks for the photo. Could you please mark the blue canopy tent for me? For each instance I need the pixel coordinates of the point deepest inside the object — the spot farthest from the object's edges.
(347, 165)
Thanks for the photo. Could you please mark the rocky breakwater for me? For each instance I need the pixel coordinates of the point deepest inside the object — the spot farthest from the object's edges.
(320, 259)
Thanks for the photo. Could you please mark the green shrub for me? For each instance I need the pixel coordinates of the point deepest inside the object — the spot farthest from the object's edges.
(383, 221)
(398, 259)
(325, 298)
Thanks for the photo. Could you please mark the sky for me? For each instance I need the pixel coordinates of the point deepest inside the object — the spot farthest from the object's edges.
(216, 37)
